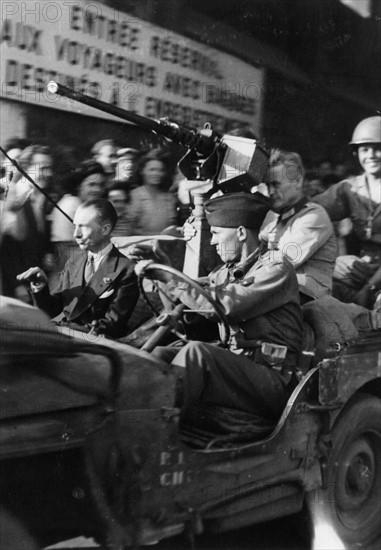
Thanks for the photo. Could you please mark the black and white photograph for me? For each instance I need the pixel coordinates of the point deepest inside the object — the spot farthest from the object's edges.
(190, 274)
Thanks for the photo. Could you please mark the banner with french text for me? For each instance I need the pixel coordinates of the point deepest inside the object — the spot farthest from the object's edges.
(125, 61)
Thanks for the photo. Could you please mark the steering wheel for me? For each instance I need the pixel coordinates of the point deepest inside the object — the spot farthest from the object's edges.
(179, 310)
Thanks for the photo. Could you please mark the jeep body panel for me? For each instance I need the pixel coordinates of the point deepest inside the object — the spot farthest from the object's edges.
(114, 449)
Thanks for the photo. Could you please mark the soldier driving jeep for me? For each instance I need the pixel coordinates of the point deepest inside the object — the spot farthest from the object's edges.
(259, 294)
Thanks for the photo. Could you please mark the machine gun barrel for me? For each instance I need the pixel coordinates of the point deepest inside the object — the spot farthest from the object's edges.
(203, 142)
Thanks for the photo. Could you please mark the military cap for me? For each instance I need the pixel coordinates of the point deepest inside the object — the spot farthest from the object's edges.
(235, 209)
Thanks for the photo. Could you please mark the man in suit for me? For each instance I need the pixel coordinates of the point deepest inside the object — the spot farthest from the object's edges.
(98, 286)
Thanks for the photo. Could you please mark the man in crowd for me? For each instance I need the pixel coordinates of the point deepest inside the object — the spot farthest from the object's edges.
(261, 301)
(98, 286)
(301, 230)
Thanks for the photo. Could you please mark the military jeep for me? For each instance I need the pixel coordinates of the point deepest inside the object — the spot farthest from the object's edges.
(92, 444)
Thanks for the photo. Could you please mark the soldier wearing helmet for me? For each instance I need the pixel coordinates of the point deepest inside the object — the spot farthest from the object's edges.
(357, 278)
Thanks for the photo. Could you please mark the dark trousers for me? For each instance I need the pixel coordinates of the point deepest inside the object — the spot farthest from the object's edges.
(215, 375)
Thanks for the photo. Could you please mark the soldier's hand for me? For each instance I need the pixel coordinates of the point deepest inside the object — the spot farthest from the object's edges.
(188, 230)
(35, 276)
(159, 275)
(139, 252)
(361, 271)
(140, 268)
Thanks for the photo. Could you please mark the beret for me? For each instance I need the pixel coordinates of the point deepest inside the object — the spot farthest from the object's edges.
(235, 209)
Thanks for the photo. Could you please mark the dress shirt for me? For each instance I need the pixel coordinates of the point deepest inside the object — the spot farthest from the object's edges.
(99, 256)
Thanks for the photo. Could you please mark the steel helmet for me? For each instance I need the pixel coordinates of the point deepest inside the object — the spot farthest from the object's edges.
(367, 131)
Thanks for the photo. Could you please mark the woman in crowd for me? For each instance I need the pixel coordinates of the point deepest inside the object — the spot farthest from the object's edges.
(357, 277)
(153, 207)
(86, 183)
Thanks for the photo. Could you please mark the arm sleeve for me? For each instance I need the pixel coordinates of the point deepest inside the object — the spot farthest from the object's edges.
(335, 201)
(307, 234)
(51, 302)
(266, 290)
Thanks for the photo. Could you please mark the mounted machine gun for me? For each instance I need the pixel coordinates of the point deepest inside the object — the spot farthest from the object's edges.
(228, 163)
(211, 156)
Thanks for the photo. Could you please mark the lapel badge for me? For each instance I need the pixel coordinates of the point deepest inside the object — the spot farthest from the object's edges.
(107, 280)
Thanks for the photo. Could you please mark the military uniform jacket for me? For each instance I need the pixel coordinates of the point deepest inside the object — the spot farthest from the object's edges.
(109, 297)
(306, 236)
(350, 199)
(262, 305)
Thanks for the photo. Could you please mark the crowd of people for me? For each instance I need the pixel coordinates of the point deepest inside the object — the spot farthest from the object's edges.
(35, 232)
(327, 206)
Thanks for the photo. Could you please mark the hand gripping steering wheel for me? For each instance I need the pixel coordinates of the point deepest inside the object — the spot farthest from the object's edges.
(179, 310)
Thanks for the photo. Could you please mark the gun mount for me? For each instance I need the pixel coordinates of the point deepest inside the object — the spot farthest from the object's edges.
(229, 162)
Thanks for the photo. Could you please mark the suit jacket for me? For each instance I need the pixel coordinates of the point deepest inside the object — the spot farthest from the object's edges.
(109, 297)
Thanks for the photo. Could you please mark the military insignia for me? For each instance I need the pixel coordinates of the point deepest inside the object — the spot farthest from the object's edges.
(107, 280)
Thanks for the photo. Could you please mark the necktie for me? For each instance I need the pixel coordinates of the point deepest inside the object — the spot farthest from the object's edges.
(89, 268)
